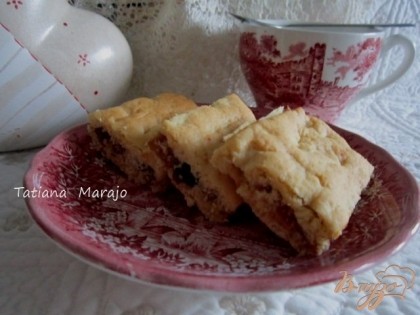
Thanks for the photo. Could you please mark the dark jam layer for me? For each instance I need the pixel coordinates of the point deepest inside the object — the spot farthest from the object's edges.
(182, 174)
(104, 137)
(148, 174)
(181, 171)
(287, 214)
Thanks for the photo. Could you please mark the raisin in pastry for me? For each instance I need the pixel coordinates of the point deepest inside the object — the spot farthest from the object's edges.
(123, 133)
(186, 144)
(299, 176)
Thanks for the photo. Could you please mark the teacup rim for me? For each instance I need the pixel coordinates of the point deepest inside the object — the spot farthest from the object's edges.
(351, 30)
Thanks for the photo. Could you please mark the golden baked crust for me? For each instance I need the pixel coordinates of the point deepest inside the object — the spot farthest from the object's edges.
(298, 175)
(188, 141)
(123, 132)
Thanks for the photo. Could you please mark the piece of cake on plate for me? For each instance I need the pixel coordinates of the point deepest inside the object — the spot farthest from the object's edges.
(300, 177)
(186, 144)
(122, 133)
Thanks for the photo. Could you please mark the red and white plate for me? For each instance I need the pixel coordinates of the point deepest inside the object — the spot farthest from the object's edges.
(157, 239)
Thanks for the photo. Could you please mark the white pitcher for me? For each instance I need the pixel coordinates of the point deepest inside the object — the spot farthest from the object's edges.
(57, 63)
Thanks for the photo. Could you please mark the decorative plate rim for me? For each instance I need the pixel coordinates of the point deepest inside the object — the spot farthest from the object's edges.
(159, 275)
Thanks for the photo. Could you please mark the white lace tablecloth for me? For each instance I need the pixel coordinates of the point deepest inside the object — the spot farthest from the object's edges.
(189, 47)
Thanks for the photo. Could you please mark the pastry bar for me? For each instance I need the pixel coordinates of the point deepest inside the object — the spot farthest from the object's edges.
(298, 175)
(122, 134)
(186, 143)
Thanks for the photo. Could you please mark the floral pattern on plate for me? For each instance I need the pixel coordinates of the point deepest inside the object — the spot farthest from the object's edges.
(88, 207)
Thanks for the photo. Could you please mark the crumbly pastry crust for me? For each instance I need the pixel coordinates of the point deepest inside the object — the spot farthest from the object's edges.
(188, 141)
(123, 133)
(298, 175)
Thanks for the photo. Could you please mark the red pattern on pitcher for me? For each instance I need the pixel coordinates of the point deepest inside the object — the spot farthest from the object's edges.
(15, 3)
(83, 59)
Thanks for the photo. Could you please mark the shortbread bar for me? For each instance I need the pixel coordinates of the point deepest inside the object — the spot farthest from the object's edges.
(123, 133)
(186, 144)
(298, 175)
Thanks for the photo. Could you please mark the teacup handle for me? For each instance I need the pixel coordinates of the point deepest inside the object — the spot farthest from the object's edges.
(406, 62)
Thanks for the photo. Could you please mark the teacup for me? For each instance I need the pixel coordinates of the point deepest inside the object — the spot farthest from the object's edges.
(321, 69)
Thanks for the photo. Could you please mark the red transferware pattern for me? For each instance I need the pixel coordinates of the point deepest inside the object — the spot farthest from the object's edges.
(157, 239)
(296, 77)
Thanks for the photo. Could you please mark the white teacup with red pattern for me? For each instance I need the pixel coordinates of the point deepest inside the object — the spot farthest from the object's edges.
(321, 69)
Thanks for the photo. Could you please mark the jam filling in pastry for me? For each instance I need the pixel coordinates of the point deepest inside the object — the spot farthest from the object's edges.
(123, 134)
(299, 176)
(186, 144)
